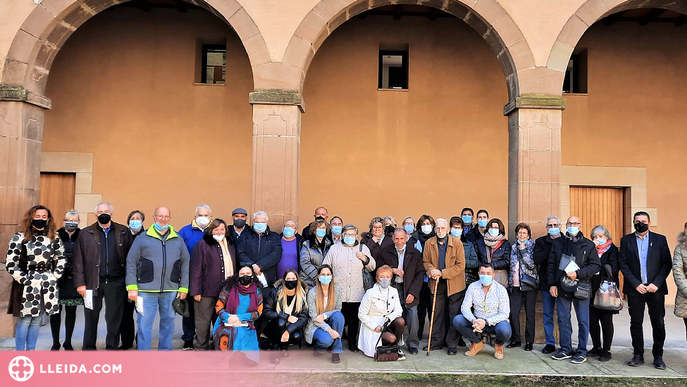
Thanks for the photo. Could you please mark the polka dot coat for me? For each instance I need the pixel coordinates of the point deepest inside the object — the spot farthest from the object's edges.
(40, 287)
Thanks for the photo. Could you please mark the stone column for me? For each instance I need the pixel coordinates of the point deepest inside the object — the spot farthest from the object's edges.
(276, 154)
(21, 134)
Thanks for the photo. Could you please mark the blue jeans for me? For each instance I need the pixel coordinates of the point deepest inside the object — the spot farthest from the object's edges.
(323, 340)
(565, 323)
(27, 333)
(464, 327)
(152, 302)
(549, 304)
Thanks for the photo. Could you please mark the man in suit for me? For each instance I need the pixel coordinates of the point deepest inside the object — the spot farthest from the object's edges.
(406, 263)
(645, 263)
(444, 261)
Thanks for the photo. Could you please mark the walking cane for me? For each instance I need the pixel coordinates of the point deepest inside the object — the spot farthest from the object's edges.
(431, 320)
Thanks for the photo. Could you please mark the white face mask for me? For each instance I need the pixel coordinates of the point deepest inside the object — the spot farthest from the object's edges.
(426, 228)
(218, 238)
(494, 232)
(202, 221)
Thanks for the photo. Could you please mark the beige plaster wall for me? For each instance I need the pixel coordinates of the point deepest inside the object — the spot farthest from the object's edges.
(122, 89)
(435, 148)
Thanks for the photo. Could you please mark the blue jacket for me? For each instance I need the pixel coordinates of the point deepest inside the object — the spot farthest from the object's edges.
(191, 234)
(263, 250)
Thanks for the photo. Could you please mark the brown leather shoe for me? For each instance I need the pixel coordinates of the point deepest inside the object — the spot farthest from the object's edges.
(474, 349)
(498, 351)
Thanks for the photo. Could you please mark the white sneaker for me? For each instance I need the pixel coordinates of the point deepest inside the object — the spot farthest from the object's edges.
(401, 355)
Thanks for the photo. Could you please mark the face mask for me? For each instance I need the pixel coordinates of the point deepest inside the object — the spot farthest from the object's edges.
(218, 238)
(554, 231)
(402, 249)
(520, 242)
(202, 221)
(39, 223)
(291, 284)
(482, 222)
(135, 224)
(336, 230)
(245, 280)
(641, 227)
(599, 241)
(321, 232)
(71, 226)
(239, 223)
(260, 227)
(409, 228)
(384, 283)
(325, 279)
(104, 218)
(158, 227)
(288, 232)
(485, 279)
(349, 240)
(426, 228)
(456, 233)
(494, 232)
(573, 230)
(467, 219)
(389, 229)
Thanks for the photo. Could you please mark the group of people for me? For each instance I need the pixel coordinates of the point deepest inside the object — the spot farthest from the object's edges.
(247, 287)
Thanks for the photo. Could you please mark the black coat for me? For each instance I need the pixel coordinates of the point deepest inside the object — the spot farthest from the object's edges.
(584, 252)
(376, 248)
(542, 250)
(610, 258)
(87, 253)
(264, 251)
(66, 282)
(270, 309)
(500, 258)
(413, 270)
(231, 233)
(474, 235)
(658, 263)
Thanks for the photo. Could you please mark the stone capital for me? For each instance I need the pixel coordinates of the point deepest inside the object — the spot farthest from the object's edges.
(535, 101)
(277, 97)
(16, 93)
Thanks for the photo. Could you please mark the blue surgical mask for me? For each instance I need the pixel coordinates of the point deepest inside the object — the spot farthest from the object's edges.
(158, 227)
(573, 230)
(456, 233)
(494, 232)
(384, 283)
(321, 232)
(600, 241)
(260, 227)
(485, 279)
(482, 222)
(135, 225)
(409, 228)
(554, 231)
(467, 219)
(289, 232)
(336, 230)
(349, 240)
(325, 279)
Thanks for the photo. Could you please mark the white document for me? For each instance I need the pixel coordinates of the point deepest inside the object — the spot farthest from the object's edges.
(139, 305)
(241, 324)
(88, 300)
(572, 267)
(262, 279)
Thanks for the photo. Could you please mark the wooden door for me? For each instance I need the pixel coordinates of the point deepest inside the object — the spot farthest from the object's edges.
(57, 193)
(599, 206)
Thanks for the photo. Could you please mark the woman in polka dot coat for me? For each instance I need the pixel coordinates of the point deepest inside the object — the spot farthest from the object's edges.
(35, 259)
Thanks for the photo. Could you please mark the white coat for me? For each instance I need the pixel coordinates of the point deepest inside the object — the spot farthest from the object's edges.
(377, 306)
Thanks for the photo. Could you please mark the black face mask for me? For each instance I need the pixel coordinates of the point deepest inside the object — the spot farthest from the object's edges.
(291, 284)
(39, 223)
(641, 227)
(104, 218)
(239, 223)
(245, 280)
(390, 229)
(71, 226)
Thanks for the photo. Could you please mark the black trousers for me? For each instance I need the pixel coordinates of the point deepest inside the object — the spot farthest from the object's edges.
(657, 312)
(188, 325)
(114, 293)
(517, 299)
(424, 308)
(440, 331)
(276, 328)
(127, 330)
(601, 321)
(350, 313)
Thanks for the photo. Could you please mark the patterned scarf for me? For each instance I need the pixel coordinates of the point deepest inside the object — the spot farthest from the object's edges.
(601, 249)
(233, 299)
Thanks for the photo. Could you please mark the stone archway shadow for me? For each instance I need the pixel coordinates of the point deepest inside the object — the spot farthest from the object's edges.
(52, 22)
(487, 17)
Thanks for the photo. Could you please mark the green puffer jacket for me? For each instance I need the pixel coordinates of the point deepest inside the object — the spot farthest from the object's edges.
(680, 275)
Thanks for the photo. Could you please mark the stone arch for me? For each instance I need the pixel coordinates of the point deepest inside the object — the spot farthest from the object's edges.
(585, 16)
(487, 17)
(52, 22)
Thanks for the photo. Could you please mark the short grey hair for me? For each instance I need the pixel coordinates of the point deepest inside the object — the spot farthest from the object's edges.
(409, 217)
(553, 217)
(72, 212)
(441, 220)
(391, 219)
(600, 229)
(400, 229)
(291, 220)
(349, 227)
(101, 203)
(261, 213)
(203, 206)
(376, 219)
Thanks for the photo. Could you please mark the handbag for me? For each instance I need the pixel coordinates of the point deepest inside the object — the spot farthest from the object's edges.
(385, 352)
(608, 296)
(368, 281)
(527, 282)
(583, 291)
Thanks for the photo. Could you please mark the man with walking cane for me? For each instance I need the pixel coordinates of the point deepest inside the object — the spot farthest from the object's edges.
(444, 260)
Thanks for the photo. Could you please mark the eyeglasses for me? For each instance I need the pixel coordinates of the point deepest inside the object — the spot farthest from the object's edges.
(162, 217)
(351, 235)
(574, 224)
(553, 225)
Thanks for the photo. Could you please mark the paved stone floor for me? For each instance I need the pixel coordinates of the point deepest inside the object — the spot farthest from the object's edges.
(516, 362)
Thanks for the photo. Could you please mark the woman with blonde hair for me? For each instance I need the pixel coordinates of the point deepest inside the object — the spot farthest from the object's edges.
(326, 323)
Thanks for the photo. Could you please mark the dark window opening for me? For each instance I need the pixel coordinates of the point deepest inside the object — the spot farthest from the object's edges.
(214, 64)
(393, 70)
(576, 74)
